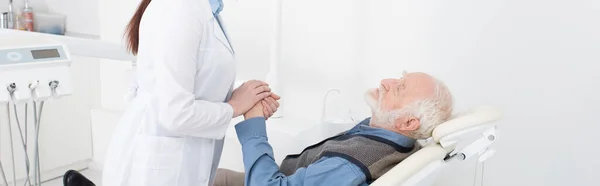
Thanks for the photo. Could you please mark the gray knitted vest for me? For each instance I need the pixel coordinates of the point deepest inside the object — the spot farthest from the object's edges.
(373, 155)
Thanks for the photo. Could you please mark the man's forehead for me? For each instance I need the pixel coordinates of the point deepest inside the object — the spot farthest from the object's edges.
(419, 75)
(420, 82)
(415, 75)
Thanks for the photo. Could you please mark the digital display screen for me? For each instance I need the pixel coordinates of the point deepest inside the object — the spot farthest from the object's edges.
(42, 54)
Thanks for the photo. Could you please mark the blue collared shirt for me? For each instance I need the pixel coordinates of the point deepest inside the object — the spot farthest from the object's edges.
(261, 169)
(216, 6)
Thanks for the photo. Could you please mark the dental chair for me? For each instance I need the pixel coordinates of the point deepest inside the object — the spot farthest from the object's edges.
(424, 166)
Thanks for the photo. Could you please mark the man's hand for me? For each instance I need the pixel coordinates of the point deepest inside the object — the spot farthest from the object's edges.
(270, 105)
(256, 111)
(265, 108)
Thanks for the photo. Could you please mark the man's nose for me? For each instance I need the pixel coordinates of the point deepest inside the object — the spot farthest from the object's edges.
(388, 83)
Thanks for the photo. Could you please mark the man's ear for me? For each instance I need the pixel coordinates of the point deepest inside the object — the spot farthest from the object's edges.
(408, 124)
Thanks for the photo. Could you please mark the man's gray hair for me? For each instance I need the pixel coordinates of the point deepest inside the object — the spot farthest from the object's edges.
(431, 111)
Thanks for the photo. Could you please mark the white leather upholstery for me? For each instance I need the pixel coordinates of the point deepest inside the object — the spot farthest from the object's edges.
(411, 166)
(473, 118)
(452, 129)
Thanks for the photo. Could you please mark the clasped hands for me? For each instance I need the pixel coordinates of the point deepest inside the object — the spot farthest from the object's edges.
(254, 99)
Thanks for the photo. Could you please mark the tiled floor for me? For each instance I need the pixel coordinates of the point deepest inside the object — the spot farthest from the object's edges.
(95, 176)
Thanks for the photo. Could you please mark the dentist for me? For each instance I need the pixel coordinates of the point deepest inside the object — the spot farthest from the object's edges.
(172, 133)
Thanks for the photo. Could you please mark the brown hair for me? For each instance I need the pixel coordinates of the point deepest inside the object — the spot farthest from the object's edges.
(132, 32)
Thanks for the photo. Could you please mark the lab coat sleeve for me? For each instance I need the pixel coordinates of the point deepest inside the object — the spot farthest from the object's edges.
(176, 64)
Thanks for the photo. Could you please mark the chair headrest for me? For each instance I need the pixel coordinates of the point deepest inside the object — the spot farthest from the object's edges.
(473, 118)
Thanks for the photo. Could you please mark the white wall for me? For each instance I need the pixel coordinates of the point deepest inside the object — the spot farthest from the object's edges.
(537, 60)
(321, 45)
(82, 15)
(249, 24)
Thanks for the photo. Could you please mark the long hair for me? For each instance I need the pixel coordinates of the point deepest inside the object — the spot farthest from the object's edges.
(132, 32)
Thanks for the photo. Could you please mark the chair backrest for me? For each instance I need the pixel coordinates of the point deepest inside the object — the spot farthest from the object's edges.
(422, 167)
(465, 123)
(411, 166)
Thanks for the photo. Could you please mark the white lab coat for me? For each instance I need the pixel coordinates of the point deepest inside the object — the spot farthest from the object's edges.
(172, 133)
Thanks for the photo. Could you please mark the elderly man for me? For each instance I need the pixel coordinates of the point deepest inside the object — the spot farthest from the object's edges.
(403, 110)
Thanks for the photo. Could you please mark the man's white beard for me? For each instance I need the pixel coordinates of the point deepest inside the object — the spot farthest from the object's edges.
(379, 118)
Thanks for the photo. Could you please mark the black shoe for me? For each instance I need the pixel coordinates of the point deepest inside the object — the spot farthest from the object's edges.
(74, 178)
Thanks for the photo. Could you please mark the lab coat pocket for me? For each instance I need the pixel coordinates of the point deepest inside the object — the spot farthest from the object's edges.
(157, 161)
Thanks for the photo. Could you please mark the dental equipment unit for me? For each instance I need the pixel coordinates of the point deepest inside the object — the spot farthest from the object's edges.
(34, 70)
(424, 167)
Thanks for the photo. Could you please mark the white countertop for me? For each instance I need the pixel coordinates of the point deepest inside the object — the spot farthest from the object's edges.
(81, 44)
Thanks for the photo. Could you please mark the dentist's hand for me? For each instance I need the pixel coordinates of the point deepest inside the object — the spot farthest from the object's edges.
(270, 105)
(247, 95)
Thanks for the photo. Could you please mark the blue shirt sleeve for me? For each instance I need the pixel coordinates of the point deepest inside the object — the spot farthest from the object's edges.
(261, 169)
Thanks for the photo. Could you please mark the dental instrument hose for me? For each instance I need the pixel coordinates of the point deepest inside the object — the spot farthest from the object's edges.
(37, 119)
(3, 175)
(12, 150)
(26, 110)
(35, 151)
(26, 142)
(37, 143)
(2, 168)
(23, 142)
